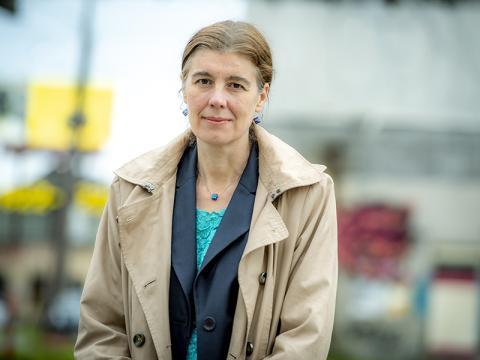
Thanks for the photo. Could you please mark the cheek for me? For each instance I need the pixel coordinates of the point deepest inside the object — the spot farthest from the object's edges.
(194, 100)
(248, 105)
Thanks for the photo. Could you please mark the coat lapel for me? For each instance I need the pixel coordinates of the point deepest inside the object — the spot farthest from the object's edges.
(183, 237)
(267, 227)
(145, 228)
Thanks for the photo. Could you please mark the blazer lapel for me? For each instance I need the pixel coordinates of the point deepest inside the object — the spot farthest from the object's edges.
(183, 236)
(237, 217)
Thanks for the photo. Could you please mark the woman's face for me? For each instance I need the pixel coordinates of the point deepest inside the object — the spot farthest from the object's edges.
(222, 96)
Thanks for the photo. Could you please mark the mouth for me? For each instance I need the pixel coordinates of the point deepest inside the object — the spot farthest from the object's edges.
(215, 119)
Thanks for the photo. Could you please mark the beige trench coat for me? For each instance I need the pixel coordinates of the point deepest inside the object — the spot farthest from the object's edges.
(293, 239)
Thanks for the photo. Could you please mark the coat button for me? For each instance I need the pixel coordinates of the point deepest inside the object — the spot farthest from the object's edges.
(209, 323)
(249, 348)
(139, 340)
(262, 278)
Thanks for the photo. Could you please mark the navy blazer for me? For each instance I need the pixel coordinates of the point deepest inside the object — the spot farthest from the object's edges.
(207, 300)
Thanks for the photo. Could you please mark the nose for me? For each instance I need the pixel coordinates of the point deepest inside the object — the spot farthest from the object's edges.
(218, 99)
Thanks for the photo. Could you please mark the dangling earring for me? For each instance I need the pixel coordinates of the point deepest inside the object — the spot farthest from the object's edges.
(258, 118)
(184, 109)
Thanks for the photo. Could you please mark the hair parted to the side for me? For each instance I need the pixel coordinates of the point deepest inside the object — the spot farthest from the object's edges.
(235, 36)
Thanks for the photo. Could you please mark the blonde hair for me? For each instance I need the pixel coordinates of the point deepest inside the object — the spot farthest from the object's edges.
(235, 36)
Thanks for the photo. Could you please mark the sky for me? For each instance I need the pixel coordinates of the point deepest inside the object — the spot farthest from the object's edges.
(137, 50)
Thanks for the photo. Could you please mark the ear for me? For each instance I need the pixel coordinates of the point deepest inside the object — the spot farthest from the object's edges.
(262, 98)
(182, 90)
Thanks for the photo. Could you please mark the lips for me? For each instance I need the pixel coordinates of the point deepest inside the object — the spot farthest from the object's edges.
(215, 119)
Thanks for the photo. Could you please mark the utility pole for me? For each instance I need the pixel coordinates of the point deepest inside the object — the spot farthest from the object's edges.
(68, 162)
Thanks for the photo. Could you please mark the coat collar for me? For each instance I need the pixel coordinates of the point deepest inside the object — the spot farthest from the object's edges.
(280, 166)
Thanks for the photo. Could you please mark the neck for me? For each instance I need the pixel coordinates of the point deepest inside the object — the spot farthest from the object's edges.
(221, 165)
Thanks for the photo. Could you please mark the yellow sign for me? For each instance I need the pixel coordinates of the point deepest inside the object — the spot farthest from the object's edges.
(43, 197)
(39, 198)
(49, 112)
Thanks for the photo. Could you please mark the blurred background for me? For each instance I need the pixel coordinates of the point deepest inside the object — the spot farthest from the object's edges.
(385, 93)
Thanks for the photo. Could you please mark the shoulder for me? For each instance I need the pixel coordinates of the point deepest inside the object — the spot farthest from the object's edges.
(153, 168)
(283, 168)
(325, 184)
(304, 198)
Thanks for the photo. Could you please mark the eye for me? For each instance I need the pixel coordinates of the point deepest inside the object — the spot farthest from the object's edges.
(237, 86)
(203, 82)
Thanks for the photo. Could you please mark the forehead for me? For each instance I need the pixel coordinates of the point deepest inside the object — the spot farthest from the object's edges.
(221, 63)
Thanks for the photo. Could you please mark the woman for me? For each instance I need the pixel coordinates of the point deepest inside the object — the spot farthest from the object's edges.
(222, 245)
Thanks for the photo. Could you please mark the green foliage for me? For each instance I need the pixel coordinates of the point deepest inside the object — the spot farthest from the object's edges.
(30, 343)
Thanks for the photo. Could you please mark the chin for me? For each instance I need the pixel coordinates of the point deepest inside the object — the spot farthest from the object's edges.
(213, 140)
(218, 137)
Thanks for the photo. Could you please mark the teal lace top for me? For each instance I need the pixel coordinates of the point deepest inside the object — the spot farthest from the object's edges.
(207, 225)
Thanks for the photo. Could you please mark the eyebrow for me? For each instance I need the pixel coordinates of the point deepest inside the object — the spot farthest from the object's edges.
(230, 78)
(238, 79)
(202, 73)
